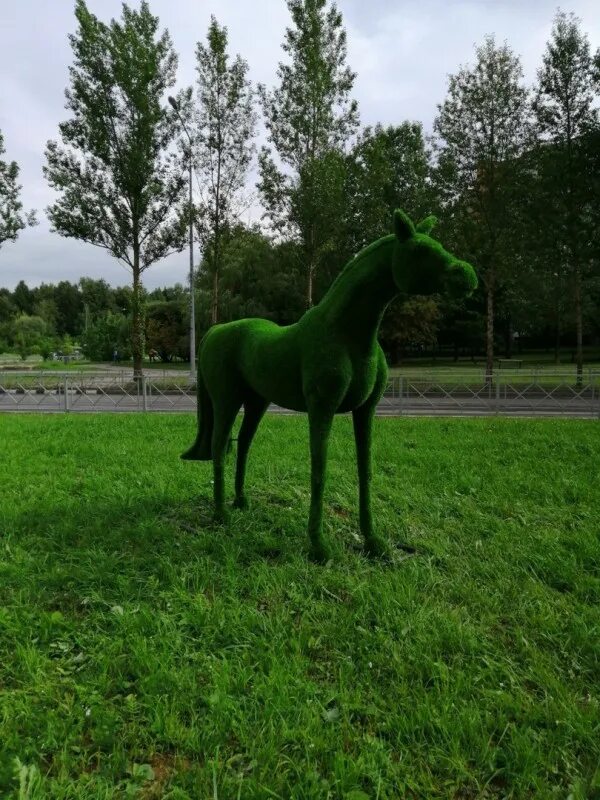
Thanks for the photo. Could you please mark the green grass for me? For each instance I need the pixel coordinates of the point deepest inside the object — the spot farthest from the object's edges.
(38, 366)
(69, 366)
(145, 652)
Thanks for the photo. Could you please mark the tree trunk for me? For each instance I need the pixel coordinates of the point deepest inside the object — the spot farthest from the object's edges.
(579, 325)
(309, 287)
(214, 309)
(137, 322)
(312, 267)
(192, 281)
(509, 338)
(489, 355)
(557, 327)
(214, 312)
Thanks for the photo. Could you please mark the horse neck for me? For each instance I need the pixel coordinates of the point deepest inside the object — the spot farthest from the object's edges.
(356, 301)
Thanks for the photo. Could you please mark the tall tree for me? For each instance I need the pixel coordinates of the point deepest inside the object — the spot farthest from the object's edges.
(12, 218)
(259, 279)
(118, 187)
(27, 334)
(309, 117)
(96, 298)
(225, 124)
(566, 115)
(390, 169)
(167, 327)
(69, 307)
(8, 309)
(482, 129)
(23, 298)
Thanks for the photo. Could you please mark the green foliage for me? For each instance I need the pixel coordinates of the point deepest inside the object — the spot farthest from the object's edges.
(47, 346)
(96, 296)
(23, 298)
(390, 169)
(12, 218)
(8, 309)
(483, 131)
(27, 333)
(317, 205)
(413, 323)
(565, 94)
(69, 303)
(105, 335)
(225, 122)
(118, 186)
(515, 179)
(309, 118)
(314, 89)
(145, 650)
(566, 117)
(259, 279)
(69, 312)
(167, 329)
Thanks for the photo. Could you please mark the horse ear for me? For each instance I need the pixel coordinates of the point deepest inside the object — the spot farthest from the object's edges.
(426, 225)
(403, 226)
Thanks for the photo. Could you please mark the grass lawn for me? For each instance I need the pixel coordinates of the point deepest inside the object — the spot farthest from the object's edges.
(145, 652)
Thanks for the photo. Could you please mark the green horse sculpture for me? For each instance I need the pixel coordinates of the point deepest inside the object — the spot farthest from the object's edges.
(327, 363)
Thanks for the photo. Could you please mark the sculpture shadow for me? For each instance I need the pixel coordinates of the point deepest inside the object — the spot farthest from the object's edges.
(116, 546)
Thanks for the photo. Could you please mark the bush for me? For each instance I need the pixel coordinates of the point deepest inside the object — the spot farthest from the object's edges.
(106, 335)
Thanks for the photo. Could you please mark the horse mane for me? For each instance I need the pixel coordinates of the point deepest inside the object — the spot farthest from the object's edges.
(355, 260)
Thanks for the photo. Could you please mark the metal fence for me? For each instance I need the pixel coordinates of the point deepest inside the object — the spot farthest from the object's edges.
(435, 392)
(518, 393)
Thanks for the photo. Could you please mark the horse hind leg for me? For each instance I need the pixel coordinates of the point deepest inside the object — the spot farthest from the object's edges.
(254, 409)
(201, 449)
(225, 411)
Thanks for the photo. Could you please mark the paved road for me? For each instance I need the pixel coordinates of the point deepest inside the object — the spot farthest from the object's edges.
(389, 406)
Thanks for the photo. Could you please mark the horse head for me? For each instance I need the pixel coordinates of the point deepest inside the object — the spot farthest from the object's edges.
(422, 266)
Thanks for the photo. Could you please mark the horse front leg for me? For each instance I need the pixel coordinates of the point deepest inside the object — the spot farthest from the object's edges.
(320, 422)
(362, 418)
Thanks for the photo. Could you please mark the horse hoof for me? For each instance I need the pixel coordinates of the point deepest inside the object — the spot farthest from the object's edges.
(377, 548)
(319, 553)
(221, 516)
(241, 503)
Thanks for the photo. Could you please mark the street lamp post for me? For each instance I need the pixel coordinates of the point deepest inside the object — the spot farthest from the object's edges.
(175, 105)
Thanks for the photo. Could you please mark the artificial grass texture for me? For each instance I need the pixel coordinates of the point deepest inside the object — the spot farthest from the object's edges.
(145, 652)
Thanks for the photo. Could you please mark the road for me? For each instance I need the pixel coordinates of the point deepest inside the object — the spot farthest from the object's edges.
(547, 406)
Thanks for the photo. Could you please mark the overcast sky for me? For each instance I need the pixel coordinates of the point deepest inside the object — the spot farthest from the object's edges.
(402, 52)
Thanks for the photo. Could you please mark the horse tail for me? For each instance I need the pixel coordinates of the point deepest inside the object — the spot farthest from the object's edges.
(201, 450)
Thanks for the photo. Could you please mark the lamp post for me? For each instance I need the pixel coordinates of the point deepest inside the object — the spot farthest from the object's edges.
(175, 106)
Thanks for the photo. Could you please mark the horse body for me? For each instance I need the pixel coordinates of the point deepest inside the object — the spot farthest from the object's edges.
(250, 352)
(327, 363)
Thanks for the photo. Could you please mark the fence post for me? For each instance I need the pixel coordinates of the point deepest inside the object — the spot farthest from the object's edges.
(497, 394)
(400, 390)
(144, 398)
(66, 392)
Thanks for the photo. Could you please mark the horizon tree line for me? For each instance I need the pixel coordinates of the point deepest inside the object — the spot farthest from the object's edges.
(513, 172)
